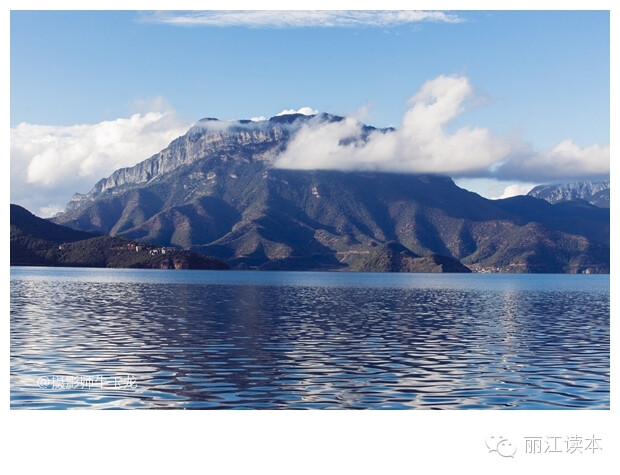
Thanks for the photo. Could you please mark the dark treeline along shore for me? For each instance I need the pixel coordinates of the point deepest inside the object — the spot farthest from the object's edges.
(38, 242)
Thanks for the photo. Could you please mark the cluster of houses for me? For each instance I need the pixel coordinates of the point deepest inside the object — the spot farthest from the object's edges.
(486, 270)
(152, 251)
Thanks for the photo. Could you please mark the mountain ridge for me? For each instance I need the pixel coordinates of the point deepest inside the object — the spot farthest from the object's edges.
(595, 193)
(215, 190)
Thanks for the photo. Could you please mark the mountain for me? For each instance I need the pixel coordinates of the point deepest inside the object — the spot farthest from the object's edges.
(36, 241)
(216, 191)
(595, 193)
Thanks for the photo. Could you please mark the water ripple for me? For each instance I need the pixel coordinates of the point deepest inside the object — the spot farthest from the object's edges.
(147, 343)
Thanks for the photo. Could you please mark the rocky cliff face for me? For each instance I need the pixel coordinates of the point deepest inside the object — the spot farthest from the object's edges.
(215, 191)
(595, 193)
(242, 140)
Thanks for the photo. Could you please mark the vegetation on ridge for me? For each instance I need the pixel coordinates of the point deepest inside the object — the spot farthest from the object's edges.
(35, 241)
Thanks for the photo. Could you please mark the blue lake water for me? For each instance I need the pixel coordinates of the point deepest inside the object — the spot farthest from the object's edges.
(109, 338)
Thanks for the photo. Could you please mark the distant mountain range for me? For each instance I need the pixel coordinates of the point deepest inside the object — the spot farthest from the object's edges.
(595, 193)
(38, 242)
(215, 191)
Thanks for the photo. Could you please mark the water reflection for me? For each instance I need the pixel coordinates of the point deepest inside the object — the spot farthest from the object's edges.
(239, 345)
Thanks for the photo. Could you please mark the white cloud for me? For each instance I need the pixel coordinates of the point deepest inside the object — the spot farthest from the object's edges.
(299, 18)
(423, 144)
(50, 163)
(303, 111)
(516, 190)
(420, 144)
(564, 161)
(493, 188)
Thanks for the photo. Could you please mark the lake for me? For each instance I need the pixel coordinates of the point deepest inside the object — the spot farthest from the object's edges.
(110, 338)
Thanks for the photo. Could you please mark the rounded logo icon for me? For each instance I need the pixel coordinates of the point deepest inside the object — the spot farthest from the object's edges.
(493, 442)
(506, 448)
(501, 445)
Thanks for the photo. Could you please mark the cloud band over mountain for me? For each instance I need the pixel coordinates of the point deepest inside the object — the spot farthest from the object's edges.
(422, 144)
(50, 163)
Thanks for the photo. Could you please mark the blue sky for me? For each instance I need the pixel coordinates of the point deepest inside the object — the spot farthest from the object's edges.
(537, 79)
